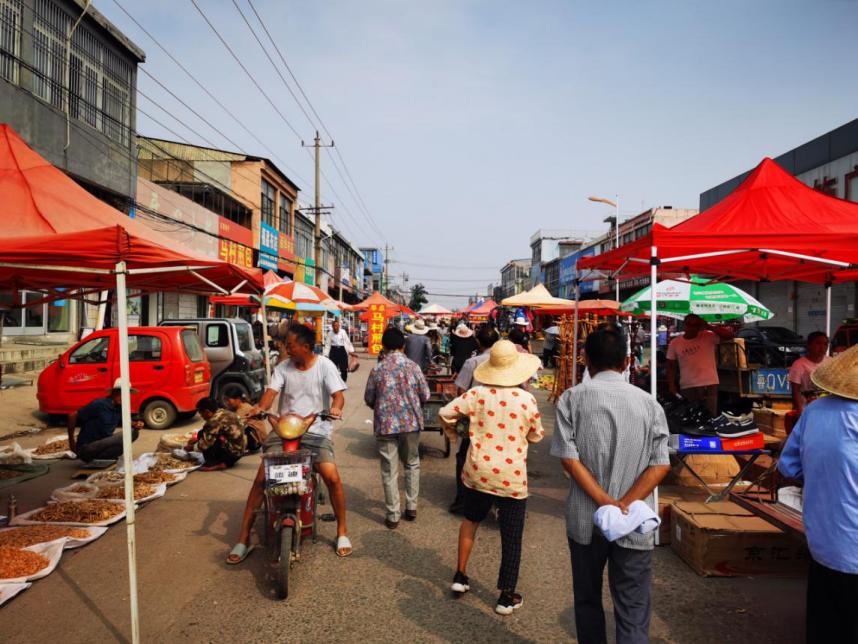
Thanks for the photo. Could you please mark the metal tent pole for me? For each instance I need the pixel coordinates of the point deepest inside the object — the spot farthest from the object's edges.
(575, 332)
(653, 344)
(127, 456)
(828, 310)
(265, 352)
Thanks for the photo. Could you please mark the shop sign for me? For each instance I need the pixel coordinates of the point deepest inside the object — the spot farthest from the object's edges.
(286, 267)
(309, 271)
(376, 328)
(298, 275)
(235, 253)
(230, 230)
(345, 276)
(287, 246)
(268, 242)
(267, 261)
(771, 382)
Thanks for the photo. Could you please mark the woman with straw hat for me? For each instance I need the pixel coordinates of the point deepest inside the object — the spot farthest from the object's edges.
(822, 451)
(504, 419)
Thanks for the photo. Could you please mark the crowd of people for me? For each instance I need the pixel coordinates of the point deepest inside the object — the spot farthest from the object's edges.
(610, 437)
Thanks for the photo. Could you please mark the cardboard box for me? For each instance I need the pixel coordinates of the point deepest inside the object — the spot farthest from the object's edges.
(684, 442)
(725, 540)
(731, 354)
(771, 421)
(715, 469)
(752, 441)
(667, 496)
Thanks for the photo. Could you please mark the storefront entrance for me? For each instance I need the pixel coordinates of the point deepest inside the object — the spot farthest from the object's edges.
(34, 320)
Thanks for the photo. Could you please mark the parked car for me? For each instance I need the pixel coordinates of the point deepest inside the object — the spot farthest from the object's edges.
(237, 366)
(845, 336)
(772, 346)
(169, 370)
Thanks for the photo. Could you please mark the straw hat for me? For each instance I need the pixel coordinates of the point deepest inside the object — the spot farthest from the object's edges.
(506, 367)
(463, 331)
(419, 328)
(839, 375)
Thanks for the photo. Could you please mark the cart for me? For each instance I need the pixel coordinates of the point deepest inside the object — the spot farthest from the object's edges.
(431, 422)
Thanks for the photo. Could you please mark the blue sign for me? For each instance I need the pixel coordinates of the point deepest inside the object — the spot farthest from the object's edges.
(267, 261)
(770, 382)
(268, 241)
(567, 272)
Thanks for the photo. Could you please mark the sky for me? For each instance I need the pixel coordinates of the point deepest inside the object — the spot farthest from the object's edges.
(468, 125)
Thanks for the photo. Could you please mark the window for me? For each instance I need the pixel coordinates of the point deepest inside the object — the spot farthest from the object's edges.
(91, 352)
(217, 335)
(268, 204)
(59, 314)
(191, 342)
(285, 214)
(245, 337)
(144, 348)
(10, 39)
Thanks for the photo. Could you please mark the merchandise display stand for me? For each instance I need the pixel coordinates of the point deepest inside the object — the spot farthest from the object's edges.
(714, 495)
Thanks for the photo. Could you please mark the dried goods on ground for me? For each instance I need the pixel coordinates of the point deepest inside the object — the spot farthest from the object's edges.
(52, 447)
(141, 491)
(90, 511)
(155, 477)
(16, 562)
(33, 534)
(168, 462)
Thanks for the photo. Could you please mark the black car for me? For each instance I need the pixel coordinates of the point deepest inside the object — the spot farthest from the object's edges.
(772, 346)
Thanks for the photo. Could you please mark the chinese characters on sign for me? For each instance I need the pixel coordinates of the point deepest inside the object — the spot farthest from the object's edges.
(235, 253)
(376, 328)
(268, 240)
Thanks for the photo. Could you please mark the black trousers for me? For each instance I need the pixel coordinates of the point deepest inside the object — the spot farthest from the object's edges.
(511, 514)
(831, 614)
(461, 455)
(217, 454)
(340, 357)
(629, 576)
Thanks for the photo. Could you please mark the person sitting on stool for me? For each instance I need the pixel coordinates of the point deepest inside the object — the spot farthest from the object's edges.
(221, 440)
(98, 420)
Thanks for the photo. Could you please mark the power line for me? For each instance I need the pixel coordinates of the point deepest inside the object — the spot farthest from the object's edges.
(444, 266)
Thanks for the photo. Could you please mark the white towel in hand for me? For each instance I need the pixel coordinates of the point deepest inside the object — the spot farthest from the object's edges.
(615, 525)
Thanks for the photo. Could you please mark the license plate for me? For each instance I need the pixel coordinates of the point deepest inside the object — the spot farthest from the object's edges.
(285, 473)
(198, 377)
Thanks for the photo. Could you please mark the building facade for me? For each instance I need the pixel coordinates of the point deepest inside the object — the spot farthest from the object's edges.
(70, 92)
(545, 247)
(515, 277)
(828, 163)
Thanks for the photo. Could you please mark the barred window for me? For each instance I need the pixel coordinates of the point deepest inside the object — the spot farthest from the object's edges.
(10, 39)
(268, 204)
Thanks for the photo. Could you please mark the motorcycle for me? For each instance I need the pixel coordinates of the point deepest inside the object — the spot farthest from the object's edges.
(292, 495)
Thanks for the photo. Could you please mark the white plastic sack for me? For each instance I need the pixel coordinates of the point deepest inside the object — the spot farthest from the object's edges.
(75, 492)
(8, 591)
(52, 551)
(55, 455)
(24, 519)
(14, 454)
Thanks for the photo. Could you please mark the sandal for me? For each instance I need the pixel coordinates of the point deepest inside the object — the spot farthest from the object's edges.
(240, 551)
(344, 546)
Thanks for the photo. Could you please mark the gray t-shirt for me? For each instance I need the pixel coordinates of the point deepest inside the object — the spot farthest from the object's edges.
(307, 392)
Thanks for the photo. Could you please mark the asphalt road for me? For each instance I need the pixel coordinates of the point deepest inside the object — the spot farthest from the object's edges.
(394, 587)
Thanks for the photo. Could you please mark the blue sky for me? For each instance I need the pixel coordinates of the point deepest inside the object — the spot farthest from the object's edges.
(469, 125)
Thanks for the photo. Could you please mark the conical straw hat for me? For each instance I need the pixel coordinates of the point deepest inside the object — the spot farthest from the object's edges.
(839, 375)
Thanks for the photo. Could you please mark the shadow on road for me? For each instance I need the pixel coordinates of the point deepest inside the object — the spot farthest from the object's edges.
(91, 605)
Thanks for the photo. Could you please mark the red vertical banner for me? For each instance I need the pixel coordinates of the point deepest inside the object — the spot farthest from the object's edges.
(376, 327)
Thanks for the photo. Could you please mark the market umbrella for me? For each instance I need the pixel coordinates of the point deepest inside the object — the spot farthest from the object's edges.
(537, 296)
(434, 309)
(711, 301)
(297, 296)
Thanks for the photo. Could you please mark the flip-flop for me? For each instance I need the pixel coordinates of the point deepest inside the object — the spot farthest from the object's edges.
(344, 546)
(241, 551)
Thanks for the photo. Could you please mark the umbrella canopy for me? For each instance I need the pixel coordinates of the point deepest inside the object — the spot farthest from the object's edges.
(585, 307)
(711, 301)
(297, 296)
(434, 309)
(537, 296)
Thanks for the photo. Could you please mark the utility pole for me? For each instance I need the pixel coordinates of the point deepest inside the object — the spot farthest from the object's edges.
(385, 283)
(317, 236)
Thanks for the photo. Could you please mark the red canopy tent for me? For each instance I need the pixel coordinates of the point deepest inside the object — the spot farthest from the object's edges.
(482, 311)
(55, 234)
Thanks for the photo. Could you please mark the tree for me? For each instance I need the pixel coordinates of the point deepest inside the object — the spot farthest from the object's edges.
(418, 297)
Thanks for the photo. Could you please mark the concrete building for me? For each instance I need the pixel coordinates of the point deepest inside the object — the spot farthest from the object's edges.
(515, 277)
(544, 247)
(73, 100)
(373, 269)
(828, 163)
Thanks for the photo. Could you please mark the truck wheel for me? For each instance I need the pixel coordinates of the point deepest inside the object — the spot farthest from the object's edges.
(158, 414)
(232, 389)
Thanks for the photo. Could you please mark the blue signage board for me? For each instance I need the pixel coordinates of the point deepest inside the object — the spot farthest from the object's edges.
(567, 272)
(267, 261)
(770, 382)
(268, 241)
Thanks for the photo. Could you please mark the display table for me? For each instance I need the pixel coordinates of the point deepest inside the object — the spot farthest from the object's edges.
(754, 454)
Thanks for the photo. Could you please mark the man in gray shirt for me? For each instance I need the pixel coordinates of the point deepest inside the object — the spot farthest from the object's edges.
(417, 345)
(612, 440)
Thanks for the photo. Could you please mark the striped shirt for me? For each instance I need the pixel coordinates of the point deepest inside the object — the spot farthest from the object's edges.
(617, 431)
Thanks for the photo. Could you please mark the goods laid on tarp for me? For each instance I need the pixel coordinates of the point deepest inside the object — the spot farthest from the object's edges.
(89, 512)
(57, 447)
(30, 563)
(30, 535)
(8, 591)
(75, 492)
(142, 492)
(153, 477)
(169, 442)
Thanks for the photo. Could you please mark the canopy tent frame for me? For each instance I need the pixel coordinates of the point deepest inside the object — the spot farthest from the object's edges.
(120, 272)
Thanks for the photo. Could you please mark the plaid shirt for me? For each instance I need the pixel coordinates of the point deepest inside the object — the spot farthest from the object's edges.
(396, 391)
(617, 431)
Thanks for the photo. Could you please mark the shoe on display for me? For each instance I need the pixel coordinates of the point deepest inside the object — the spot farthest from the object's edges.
(508, 602)
(726, 418)
(704, 430)
(460, 584)
(735, 430)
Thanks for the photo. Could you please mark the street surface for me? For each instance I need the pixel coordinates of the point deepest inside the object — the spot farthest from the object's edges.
(393, 588)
